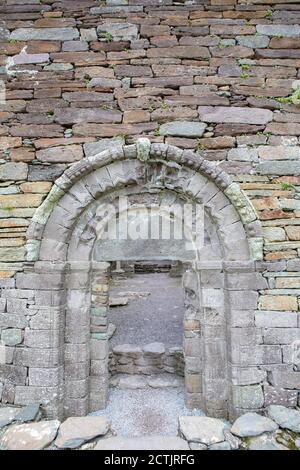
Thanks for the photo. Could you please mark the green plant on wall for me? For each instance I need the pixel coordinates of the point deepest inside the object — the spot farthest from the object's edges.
(108, 37)
(294, 98)
(285, 185)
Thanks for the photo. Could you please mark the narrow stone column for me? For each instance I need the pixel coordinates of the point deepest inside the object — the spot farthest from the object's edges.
(192, 340)
(214, 338)
(77, 339)
(44, 337)
(247, 351)
(99, 378)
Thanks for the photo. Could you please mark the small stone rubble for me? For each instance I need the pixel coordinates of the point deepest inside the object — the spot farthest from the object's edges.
(213, 85)
(250, 431)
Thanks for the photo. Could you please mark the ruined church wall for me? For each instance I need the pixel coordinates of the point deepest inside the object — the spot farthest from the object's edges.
(218, 76)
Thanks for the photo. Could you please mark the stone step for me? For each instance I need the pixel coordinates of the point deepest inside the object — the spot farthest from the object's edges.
(127, 381)
(142, 443)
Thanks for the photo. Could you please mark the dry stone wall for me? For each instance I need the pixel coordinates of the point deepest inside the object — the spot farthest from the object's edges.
(217, 76)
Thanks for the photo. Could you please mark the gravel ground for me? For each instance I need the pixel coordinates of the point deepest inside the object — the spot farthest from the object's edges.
(145, 412)
(158, 317)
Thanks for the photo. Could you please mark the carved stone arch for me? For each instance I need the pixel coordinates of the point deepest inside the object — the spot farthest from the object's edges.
(104, 174)
(60, 243)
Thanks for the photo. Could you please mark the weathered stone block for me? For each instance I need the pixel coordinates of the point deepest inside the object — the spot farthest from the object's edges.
(293, 232)
(278, 302)
(13, 171)
(274, 234)
(280, 396)
(256, 42)
(118, 31)
(293, 265)
(249, 300)
(88, 34)
(279, 152)
(279, 30)
(30, 436)
(99, 349)
(44, 34)
(25, 58)
(25, 395)
(247, 281)
(183, 129)
(45, 377)
(154, 349)
(281, 335)
(40, 281)
(183, 52)
(202, 429)
(248, 375)
(38, 358)
(93, 148)
(248, 396)
(77, 115)
(12, 321)
(11, 336)
(256, 355)
(278, 168)
(4, 34)
(42, 338)
(45, 172)
(271, 319)
(235, 115)
(63, 154)
(286, 379)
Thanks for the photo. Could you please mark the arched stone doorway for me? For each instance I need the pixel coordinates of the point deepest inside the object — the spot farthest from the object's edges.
(60, 246)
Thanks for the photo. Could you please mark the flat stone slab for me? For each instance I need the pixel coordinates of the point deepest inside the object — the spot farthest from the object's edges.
(44, 34)
(287, 418)
(183, 129)
(154, 349)
(136, 295)
(265, 442)
(202, 429)
(164, 381)
(223, 114)
(76, 431)
(31, 436)
(253, 424)
(118, 31)
(130, 350)
(8, 415)
(132, 381)
(29, 413)
(220, 446)
(118, 301)
(93, 148)
(143, 443)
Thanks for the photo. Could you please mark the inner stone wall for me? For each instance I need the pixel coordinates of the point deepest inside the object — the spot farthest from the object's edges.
(216, 76)
(153, 358)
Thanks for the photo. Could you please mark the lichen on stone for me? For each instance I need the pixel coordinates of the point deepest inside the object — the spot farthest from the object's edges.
(143, 149)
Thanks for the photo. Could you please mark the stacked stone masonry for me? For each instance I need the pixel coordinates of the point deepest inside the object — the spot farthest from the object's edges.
(153, 358)
(213, 85)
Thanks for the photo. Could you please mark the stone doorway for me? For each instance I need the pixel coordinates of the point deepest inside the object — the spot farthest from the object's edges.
(147, 310)
(66, 265)
(146, 363)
